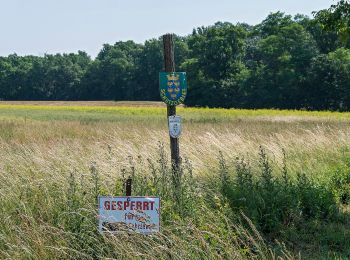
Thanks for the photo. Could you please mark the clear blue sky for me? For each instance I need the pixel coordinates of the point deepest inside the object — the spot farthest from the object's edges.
(51, 26)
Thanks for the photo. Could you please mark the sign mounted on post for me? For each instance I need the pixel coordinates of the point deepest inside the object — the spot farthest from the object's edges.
(139, 214)
(173, 87)
(175, 126)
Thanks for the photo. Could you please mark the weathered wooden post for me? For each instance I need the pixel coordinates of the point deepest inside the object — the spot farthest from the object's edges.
(173, 90)
(128, 184)
(169, 66)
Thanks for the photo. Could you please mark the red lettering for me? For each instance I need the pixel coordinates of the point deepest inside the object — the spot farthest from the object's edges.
(114, 205)
(132, 205)
(119, 204)
(126, 204)
(152, 203)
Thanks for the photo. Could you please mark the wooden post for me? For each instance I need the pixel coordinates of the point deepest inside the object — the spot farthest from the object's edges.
(169, 66)
(128, 187)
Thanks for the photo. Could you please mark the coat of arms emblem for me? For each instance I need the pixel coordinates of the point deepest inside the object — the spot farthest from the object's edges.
(173, 87)
(175, 126)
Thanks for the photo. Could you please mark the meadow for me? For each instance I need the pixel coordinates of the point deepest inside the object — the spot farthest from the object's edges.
(254, 183)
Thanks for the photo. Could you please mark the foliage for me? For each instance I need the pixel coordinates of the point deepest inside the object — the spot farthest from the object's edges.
(273, 203)
(340, 183)
(284, 62)
(279, 72)
(336, 18)
(328, 81)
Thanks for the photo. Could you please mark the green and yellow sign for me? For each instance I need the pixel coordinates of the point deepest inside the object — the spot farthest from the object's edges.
(173, 87)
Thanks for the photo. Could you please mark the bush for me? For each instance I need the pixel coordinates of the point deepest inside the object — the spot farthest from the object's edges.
(274, 203)
(340, 183)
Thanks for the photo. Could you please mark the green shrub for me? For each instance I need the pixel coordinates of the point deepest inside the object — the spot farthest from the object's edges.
(273, 203)
(340, 184)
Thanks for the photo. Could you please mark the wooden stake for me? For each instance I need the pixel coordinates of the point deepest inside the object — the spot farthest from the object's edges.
(128, 184)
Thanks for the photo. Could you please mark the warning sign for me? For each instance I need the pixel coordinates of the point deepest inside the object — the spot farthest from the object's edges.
(139, 214)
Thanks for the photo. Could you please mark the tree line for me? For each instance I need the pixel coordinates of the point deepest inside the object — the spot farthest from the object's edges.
(284, 62)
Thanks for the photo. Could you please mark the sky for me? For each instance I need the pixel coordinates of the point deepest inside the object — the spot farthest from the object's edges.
(36, 27)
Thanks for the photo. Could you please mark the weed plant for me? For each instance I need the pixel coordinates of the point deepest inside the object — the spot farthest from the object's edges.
(273, 202)
(278, 204)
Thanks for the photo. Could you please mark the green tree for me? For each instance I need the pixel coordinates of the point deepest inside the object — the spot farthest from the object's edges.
(336, 18)
(149, 64)
(272, 24)
(279, 70)
(58, 77)
(15, 76)
(215, 56)
(328, 81)
(111, 76)
(327, 41)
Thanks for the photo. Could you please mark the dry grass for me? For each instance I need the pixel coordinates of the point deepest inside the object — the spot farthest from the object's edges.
(38, 153)
(307, 143)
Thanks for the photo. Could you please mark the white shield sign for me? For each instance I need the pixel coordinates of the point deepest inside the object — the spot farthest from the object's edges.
(139, 214)
(174, 126)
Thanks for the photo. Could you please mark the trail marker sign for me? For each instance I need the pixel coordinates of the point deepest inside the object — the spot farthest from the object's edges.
(139, 214)
(173, 87)
(175, 126)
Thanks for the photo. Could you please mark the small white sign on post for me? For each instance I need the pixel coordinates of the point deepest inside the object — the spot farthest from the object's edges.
(139, 214)
(175, 126)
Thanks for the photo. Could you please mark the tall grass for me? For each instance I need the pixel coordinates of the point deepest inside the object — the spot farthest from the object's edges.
(51, 213)
(289, 199)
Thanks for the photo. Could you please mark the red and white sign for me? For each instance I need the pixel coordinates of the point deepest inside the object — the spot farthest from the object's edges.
(140, 214)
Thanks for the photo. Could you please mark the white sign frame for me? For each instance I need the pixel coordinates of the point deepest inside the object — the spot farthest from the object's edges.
(129, 213)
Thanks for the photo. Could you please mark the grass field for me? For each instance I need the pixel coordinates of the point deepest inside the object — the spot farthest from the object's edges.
(56, 158)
